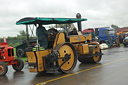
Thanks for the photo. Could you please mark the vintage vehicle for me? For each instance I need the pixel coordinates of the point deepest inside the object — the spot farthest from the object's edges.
(107, 35)
(125, 41)
(7, 58)
(20, 50)
(121, 36)
(63, 50)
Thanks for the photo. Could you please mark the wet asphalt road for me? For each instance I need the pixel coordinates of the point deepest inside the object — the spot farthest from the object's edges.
(112, 70)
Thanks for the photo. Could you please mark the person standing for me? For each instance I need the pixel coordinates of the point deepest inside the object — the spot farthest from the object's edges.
(42, 35)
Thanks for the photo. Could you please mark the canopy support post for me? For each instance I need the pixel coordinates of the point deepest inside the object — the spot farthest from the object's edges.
(78, 16)
(27, 41)
(27, 32)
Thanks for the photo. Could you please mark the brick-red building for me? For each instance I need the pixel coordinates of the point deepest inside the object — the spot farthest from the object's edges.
(125, 29)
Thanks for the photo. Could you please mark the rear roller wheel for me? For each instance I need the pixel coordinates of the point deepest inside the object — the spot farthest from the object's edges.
(19, 66)
(67, 49)
(96, 59)
(93, 59)
(3, 68)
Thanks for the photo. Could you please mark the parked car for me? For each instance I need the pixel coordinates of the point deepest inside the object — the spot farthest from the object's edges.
(125, 41)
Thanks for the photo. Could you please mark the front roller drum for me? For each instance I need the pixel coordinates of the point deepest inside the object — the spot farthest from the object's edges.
(90, 58)
(68, 66)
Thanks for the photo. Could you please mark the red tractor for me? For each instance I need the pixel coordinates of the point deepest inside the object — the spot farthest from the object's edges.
(7, 58)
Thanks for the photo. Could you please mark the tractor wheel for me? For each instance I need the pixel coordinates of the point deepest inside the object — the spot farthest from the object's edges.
(20, 53)
(3, 68)
(93, 59)
(19, 66)
(67, 49)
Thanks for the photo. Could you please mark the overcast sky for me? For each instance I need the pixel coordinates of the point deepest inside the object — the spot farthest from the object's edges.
(100, 13)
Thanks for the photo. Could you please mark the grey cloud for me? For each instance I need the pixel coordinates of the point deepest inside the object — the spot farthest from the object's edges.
(98, 12)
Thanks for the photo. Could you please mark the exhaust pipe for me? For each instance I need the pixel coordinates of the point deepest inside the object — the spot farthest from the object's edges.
(78, 16)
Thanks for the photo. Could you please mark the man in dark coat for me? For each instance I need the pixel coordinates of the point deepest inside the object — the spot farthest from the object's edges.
(42, 35)
(73, 32)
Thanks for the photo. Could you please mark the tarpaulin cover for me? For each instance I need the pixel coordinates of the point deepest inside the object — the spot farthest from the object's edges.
(46, 21)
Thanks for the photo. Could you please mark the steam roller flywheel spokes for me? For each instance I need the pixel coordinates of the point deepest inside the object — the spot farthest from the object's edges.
(93, 59)
(67, 51)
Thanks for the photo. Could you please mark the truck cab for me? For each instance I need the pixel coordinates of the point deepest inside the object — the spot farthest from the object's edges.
(107, 35)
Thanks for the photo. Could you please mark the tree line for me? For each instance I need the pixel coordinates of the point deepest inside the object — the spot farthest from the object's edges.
(17, 40)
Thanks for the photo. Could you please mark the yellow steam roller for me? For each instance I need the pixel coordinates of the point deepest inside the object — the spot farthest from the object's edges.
(64, 48)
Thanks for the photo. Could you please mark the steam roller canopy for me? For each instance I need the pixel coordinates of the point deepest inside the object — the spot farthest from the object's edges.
(69, 50)
(92, 58)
